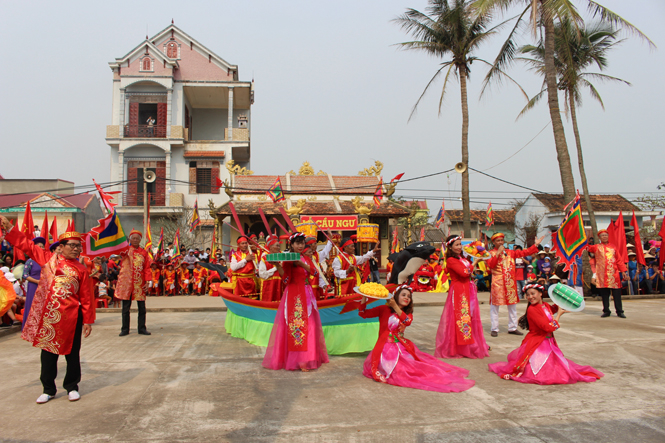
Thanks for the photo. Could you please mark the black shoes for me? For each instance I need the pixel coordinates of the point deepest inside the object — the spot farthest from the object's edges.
(622, 315)
(494, 334)
(605, 314)
(144, 332)
(516, 332)
(123, 333)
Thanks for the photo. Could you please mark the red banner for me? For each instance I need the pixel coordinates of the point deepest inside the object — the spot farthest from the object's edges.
(333, 222)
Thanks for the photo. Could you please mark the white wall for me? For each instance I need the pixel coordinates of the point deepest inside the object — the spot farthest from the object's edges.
(209, 124)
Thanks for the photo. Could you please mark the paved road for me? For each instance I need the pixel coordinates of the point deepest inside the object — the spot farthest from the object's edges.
(190, 381)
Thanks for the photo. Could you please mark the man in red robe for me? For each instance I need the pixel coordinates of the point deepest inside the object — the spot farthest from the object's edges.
(504, 287)
(133, 281)
(272, 286)
(345, 267)
(244, 270)
(608, 266)
(62, 311)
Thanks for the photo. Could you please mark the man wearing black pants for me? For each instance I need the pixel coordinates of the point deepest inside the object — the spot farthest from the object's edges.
(133, 281)
(50, 365)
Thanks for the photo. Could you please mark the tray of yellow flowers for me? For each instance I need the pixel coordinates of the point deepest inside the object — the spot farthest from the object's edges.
(373, 290)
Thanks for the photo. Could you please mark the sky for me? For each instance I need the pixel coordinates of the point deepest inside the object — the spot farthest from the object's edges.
(332, 88)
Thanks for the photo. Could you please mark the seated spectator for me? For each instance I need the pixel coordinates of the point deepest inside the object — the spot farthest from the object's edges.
(102, 290)
(654, 281)
(480, 280)
(9, 319)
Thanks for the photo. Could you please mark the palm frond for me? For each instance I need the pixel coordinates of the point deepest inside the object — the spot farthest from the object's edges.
(612, 17)
(415, 107)
(531, 103)
(443, 90)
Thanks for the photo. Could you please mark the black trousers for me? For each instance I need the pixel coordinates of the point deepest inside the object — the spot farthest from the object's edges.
(616, 294)
(126, 305)
(50, 364)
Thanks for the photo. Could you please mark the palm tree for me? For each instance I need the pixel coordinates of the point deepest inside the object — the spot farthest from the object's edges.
(450, 30)
(544, 12)
(575, 50)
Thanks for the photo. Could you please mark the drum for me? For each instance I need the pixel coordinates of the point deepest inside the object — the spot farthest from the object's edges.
(308, 228)
(368, 233)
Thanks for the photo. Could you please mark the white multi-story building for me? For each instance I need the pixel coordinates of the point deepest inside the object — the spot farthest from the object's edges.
(180, 111)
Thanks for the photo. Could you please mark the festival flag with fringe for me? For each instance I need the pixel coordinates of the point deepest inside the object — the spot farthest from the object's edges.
(196, 220)
(160, 243)
(106, 239)
(275, 192)
(441, 216)
(422, 234)
(176, 245)
(378, 193)
(395, 245)
(106, 196)
(489, 218)
(570, 239)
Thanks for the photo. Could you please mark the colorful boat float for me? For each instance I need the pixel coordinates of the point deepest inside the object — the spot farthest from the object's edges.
(345, 332)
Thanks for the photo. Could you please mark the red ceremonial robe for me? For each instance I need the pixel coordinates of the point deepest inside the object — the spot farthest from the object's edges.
(504, 287)
(608, 265)
(272, 287)
(344, 286)
(63, 289)
(244, 282)
(135, 271)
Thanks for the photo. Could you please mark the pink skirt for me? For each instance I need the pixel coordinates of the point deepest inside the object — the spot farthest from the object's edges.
(278, 355)
(546, 366)
(446, 338)
(428, 373)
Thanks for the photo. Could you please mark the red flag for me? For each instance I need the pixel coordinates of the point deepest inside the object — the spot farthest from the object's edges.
(638, 242)
(397, 177)
(69, 226)
(54, 229)
(44, 231)
(422, 234)
(106, 197)
(661, 254)
(28, 226)
(617, 235)
(378, 193)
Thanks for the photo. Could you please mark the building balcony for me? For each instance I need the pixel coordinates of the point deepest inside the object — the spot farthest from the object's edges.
(136, 199)
(239, 134)
(145, 131)
(167, 205)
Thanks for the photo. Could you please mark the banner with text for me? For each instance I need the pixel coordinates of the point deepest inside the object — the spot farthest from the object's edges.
(333, 222)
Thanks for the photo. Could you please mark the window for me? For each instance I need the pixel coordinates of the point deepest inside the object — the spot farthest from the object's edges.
(172, 50)
(146, 64)
(203, 180)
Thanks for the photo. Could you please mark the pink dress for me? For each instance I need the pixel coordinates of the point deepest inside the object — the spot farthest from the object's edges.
(460, 332)
(397, 361)
(296, 341)
(539, 360)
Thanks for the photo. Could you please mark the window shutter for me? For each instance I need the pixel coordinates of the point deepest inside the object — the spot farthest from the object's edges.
(133, 120)
(192, 179)
(132, 185)
(214, 176)
(160, 130)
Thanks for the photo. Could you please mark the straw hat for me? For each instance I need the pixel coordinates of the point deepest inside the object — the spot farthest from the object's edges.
(630, 245)
(631, 253)
(648, 256)
(555, 277)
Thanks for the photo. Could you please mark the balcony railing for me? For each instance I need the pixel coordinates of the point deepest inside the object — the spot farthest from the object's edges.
(145, 131)
(129, 199)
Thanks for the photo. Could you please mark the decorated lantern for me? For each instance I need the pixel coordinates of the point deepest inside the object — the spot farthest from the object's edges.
(368, 233)
(308, 228)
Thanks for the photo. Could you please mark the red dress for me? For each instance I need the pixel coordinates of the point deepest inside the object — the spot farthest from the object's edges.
(134, 273)
(460, 332)
(296, 341)
(397, 361)
(539, 360)
(64, 288)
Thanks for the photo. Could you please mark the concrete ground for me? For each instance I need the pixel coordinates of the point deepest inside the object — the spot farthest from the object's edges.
(190, 381)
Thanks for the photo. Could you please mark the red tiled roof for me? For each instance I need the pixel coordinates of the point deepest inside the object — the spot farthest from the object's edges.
(311, 208)
(204, 154)
(80, 201)
(600, 203)
(479, 215)
(307, 184)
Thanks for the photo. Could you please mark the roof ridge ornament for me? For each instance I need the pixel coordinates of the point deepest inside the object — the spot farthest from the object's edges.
(373, 171)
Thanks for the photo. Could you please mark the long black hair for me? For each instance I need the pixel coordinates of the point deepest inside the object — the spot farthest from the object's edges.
(409, 308)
